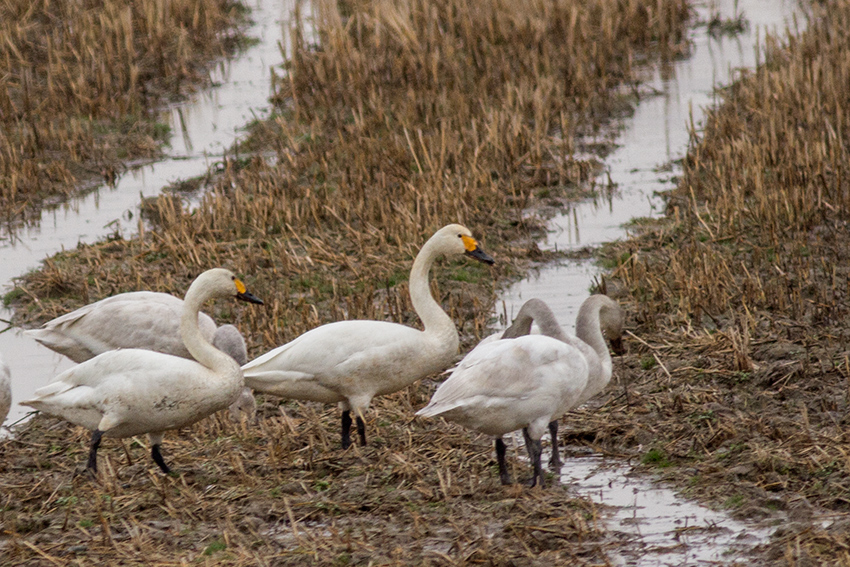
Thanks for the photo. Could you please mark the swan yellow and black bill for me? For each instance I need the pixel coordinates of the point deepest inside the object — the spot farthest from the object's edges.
(244, 294)
(472, 249)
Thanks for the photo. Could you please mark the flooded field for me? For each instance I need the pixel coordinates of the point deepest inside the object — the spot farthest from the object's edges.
(652, 524)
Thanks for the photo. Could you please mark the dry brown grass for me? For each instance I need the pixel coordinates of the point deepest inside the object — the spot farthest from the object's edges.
(280, 492)
(80, 82)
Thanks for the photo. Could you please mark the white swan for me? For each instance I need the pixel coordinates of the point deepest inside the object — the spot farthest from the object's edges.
(350, 362)
(509, 384)
(128, 392)
(5, 390)
(599, 317)
(138, 319)
(229, 340)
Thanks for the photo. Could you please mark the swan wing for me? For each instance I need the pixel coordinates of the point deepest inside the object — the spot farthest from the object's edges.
(507, 384)
(335, 349)
(141, 319)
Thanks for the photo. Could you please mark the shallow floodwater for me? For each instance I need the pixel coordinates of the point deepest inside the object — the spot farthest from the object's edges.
(659, 528)
(203, 128)
(648, 146)
(662, 528)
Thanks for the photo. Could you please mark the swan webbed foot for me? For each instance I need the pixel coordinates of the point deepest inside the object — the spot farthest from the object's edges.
(361, 431)
(346, 429)
(501, 450)
(555, 459)
(156, 455)
(91, 466)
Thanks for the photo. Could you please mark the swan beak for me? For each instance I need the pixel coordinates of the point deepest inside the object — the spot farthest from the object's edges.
(249, 297)
(618, 347)
(481, 256)
(244, 294)
(473, 250)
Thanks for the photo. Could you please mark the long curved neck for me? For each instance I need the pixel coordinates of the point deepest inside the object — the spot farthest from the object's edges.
(588, 329)
(537, 311)
(436, 321)
(195, 343)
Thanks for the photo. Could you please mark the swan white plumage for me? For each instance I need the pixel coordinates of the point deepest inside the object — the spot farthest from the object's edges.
(229, 340)
(5, 390)
(350, 362)
(138, 319)
(128, 392)
(599, 317)
(510, 384)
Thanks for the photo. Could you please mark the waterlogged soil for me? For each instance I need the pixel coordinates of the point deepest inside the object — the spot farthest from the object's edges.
(281, 492)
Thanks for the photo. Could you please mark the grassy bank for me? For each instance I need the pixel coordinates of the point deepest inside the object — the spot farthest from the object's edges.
(80, 83)
(397, 118)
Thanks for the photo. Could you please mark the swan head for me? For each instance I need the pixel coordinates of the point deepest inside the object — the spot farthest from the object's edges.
(219, 282)
(612, 319)
(457, 239)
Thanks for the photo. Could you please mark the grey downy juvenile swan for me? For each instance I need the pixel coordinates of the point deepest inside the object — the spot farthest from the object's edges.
(5, 390)
(350, 362)
(128, 392)
(510, 384)
(229, 340)
(599, 317)
(137, 319)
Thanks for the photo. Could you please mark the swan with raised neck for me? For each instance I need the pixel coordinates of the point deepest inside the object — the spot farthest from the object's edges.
(599, 317)
(515, 382)
(127, 392)
(350, 362)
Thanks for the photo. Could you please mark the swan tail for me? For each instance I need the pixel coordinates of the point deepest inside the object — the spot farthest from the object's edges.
(56, 395)
(52, 389)
(273, 376)
(432, 410)
(56, 340)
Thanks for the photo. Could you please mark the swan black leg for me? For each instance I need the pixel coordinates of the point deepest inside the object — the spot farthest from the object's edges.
(157, 458)
(501, 450)
(535, 450)
(93, 447)
(555, 459)
(346, 429)
(361, 431)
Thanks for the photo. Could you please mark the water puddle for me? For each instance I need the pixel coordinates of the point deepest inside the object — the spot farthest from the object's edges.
(659, 527)
(654, 526)
(203, 128)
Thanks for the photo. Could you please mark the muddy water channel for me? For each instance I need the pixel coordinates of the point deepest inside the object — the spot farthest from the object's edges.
(663, 528)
